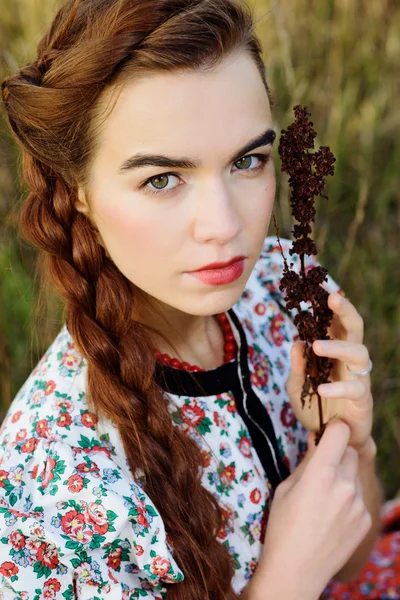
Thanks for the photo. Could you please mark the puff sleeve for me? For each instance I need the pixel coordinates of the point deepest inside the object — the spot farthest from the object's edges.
(73, 526)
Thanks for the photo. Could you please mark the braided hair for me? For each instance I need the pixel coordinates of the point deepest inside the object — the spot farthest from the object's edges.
(91, 46)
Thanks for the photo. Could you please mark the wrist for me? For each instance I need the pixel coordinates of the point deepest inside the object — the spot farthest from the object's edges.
(272, 583)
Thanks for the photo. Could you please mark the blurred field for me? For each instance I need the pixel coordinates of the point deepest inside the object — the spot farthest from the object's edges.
(340, 58)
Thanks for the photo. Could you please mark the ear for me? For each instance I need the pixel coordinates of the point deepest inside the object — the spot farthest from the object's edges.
(81, 204)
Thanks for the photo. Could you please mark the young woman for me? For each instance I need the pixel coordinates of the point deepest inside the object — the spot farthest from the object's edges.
(162, 430)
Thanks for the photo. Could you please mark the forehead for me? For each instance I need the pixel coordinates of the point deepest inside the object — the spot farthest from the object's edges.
(200, 110)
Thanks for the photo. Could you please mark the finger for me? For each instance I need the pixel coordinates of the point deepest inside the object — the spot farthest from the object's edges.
(332, 445)
(349, 463)
(355, 355)
(353, 389)
(350, 319)
(311, 447)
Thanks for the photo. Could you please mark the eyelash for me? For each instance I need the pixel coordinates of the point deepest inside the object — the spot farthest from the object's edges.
(264, 158)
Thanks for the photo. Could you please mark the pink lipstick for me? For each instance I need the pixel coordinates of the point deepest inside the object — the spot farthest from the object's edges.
(221, 273)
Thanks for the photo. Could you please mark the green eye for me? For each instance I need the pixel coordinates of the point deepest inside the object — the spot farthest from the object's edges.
(245, 162)
(160, 182)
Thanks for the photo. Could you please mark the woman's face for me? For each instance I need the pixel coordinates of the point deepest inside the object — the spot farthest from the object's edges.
(159, 220)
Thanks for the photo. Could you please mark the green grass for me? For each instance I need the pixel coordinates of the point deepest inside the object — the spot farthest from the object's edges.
(340, 58)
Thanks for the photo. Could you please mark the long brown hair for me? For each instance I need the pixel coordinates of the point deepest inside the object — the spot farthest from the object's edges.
(51, 106)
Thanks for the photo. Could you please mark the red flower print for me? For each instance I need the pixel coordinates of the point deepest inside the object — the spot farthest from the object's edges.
(16, 416)
(87, 571)
(192, 415)
(21, 435)
(17, 540)
(260, 308)
(64, 419)
(63, 404)
(52, 586)
(219, 421)
(3, 476)
(96, 517)
(47, 474)
(255, 496)
(33, 546)
(276, 326)
(50, 387)
(228, 475)
(98, 448)
(247, 478)
(290, 437)
(222, 534)
(261, 369)
(227, 521)
(231, 407)
(288, 417)
(142, 516)
(21, 514)
(42, 428)
(111, 576)
(252, 566)
(8, 569)
(34, 472)
(30, 445)
(89, 419)
(72, 521)
(75, 483)
(47, 556)
(159, 566)
(245, 446)
(139, 550)
(249, 326)
(71, 358)
(85, 468)
(114, 558)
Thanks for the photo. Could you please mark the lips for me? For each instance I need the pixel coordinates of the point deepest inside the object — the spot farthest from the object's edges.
(222, 276)
(219, 265)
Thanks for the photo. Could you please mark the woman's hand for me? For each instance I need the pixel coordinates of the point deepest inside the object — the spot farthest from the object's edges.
(317, 519)
(347, 397)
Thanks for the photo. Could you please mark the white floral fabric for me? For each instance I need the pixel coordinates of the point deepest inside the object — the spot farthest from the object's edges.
(75, 523)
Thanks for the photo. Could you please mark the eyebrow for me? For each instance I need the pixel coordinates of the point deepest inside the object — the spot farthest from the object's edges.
(157, 160)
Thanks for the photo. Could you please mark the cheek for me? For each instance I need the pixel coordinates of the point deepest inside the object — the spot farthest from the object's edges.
(133, 239)
(258, 209)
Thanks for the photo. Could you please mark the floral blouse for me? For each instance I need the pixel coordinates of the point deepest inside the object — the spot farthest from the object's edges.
(75, 523)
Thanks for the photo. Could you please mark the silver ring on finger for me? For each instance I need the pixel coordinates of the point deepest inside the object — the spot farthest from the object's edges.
(360, 373)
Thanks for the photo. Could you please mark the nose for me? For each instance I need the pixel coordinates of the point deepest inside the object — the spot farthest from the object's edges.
(216, 217)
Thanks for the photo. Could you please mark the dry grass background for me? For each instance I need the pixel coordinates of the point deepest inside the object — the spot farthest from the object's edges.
(341, 59)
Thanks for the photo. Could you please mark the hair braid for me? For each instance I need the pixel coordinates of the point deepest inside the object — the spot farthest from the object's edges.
(118, 356)
(51, 106)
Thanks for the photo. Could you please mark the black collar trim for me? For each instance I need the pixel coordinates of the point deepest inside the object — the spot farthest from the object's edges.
(234, 377)
(200, 383)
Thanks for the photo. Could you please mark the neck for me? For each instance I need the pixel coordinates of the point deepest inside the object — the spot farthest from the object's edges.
(197, 340)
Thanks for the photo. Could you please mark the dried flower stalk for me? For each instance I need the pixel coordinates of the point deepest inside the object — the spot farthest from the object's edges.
(307, 172)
